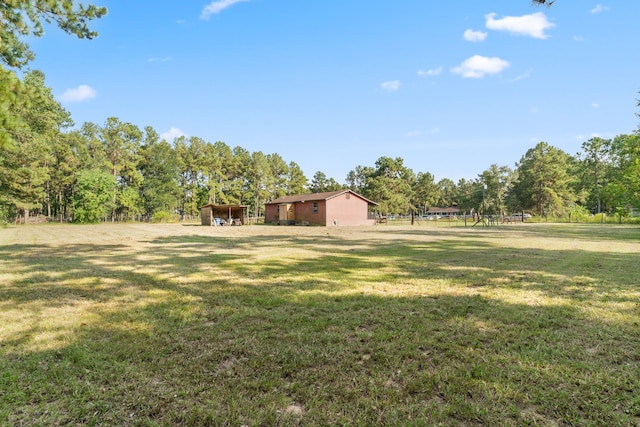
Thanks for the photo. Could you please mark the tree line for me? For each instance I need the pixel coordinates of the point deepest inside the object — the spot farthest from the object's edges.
(604, 177)
(118, 171)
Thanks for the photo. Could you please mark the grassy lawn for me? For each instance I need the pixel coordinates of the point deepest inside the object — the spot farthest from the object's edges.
(164, 325)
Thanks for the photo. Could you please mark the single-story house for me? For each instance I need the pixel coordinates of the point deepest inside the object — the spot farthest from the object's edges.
(223, 214)
(333, 208)
(443, 212)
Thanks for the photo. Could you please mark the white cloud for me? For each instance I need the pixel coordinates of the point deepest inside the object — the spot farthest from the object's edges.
(217, 7)
(390, 86)
(521, 77)
(172, 134)
(474, 36)
(165, 59)
(578, 38)
(478, 66)
(533, 25)
(599, 9)
(431, 72)
(78, 94)
(412, 134)
(595, 105)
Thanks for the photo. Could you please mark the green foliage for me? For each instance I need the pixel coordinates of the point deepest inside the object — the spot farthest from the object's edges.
(426, 192)
(446, 192)
(129, 202)
(258, 180)
(624, 188)
(159, 167)
(390, 185)
(93, 195)
(579, 213)
(497, 180)
(595, 169)
(6, 213)
(10, 87)
(10, 98)
(357, 179)
(188, 326)
(543, 182)
(39, 162)
(33, 124)
(296, 183)
(215, 172)
(161, 216)
(321, 184)
(20, 18)
(468, 195)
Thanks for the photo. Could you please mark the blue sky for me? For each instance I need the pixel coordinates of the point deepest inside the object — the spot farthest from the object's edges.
(450, 87)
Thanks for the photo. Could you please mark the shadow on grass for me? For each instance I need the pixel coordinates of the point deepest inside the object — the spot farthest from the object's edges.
(195, 330)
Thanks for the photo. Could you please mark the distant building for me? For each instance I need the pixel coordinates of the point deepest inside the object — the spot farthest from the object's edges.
(443, 212)
(334, 208)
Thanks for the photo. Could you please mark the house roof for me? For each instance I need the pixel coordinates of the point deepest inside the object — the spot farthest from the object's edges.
(211, 205)
(443, 210)
(315, 197)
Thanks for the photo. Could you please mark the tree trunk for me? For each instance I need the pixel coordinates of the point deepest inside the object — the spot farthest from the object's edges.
(60, 210)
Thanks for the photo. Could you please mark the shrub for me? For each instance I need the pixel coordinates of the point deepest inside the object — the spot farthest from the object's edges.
(92, 199)
(160, 216)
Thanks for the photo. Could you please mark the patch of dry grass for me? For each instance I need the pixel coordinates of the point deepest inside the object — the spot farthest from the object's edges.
(140, 324)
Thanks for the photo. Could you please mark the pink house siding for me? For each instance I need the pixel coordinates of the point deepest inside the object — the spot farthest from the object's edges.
(347, 209)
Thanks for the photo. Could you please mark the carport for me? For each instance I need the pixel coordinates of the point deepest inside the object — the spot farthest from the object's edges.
(223, 214)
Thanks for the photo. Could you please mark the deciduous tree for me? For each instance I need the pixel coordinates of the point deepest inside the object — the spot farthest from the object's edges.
(37, 123)
(390, 185)
(595, 171)
(496, 182)
(543, 182)
(159, 167)
(93, 195)
(447, 192)
(121, 143)
(426, 192)
(624, 188)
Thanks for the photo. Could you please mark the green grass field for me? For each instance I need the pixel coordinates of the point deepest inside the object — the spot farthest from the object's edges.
(182, 325)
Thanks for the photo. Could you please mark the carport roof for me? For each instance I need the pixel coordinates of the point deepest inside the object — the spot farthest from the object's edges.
(211, 205)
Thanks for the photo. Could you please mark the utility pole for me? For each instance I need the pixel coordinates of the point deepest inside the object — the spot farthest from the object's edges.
(484, 188)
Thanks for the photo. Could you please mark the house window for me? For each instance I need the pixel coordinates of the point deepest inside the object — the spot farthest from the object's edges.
(315, 207)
